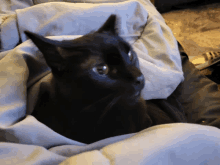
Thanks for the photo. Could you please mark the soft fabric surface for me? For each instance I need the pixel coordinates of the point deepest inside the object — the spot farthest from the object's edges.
(164, 144)
(24, 140)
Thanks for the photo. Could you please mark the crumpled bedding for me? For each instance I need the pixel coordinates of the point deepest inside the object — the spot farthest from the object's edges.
(24, 140)
(163, 144)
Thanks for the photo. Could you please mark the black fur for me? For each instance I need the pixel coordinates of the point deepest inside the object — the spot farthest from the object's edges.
(96, 86)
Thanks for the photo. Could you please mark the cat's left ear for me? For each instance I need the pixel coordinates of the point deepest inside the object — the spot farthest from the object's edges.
(109, 25)
(49, 49)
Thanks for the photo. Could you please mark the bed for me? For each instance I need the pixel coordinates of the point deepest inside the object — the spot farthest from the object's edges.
(175, 88)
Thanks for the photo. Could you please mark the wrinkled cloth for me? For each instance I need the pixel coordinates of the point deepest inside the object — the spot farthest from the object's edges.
(163, 144)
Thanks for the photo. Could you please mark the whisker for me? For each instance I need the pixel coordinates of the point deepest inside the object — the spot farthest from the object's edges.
(108, 107)
(97, 103)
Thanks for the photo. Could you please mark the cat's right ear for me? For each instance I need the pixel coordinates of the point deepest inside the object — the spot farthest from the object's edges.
(49, 49)
(109, 25)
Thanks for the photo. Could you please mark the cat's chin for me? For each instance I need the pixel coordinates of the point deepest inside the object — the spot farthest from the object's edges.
(133, 99)
(137, 94)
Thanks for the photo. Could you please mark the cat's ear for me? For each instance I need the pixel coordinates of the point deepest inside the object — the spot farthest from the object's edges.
(109, 25)
(49, 49)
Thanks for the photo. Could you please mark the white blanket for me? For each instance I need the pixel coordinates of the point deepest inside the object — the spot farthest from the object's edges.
(177, 144)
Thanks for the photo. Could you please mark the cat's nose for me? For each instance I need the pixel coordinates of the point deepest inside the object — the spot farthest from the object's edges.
(139, 80)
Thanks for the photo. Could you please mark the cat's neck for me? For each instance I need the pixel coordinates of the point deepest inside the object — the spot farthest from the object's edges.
(68, 97)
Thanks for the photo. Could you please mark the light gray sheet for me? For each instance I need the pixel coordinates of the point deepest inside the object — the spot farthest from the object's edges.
(24, 140)
(166, 144)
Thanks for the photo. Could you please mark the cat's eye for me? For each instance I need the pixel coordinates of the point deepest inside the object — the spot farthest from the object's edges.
(130, 55)
(101, 69)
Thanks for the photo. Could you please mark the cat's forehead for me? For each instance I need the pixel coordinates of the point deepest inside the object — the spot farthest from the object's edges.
(108, 44)
(99, 45)
(98, 40)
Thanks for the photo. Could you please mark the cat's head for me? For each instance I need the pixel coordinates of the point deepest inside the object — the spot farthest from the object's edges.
(94, 65)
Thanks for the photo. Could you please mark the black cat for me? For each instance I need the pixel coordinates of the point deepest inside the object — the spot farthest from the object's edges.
(96, 86)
